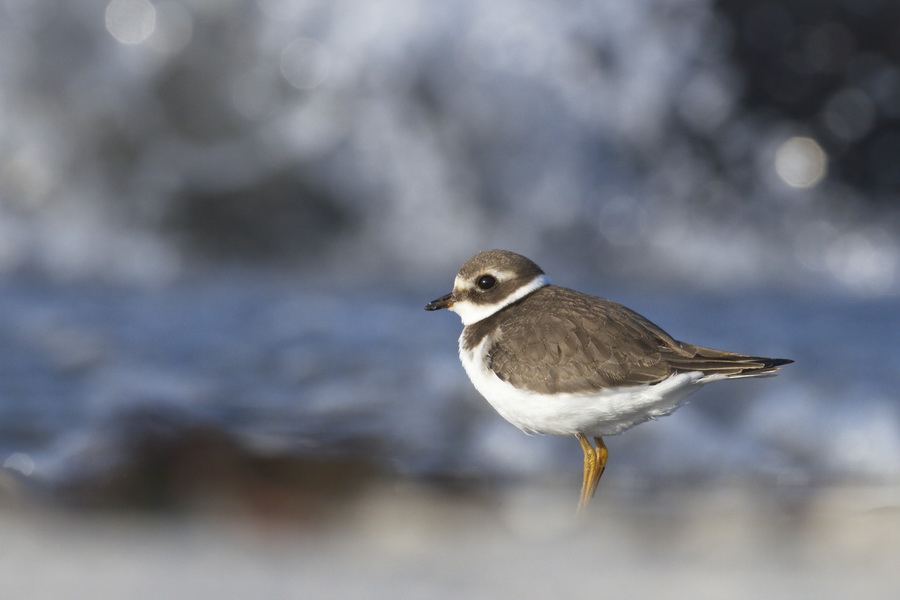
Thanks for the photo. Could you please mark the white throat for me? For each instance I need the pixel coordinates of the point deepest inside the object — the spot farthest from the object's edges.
(471, 313)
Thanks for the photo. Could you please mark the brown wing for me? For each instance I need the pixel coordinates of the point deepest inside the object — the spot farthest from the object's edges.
(596, 343)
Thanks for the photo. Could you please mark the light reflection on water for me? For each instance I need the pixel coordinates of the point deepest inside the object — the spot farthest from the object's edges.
(131, 21)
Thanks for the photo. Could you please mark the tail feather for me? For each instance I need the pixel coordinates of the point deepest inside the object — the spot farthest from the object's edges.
(729, 364)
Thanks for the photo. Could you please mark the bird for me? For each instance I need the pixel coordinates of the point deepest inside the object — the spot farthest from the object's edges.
(552, 360)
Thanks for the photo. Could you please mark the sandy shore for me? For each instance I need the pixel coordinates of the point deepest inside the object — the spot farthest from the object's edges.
(408, 540)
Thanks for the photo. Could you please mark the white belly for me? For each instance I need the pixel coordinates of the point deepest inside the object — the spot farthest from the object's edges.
(607, 412)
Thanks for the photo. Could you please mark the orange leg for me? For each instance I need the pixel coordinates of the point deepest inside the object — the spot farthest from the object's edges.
(594, 465)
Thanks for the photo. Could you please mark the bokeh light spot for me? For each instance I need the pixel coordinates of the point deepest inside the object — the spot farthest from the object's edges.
(849, 114)
(864, 261)
(20, 462)
(305, 63)
(130, 21)
(622, 221)
(800, 162)
(174, 28)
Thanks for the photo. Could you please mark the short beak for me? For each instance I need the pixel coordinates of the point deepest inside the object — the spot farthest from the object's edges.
(442, 302)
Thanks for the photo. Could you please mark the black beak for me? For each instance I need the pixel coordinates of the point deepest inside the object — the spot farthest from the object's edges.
(442, 302)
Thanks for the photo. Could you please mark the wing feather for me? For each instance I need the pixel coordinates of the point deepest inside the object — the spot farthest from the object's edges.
(595, 343)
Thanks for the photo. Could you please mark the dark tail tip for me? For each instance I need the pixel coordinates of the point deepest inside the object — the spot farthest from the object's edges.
(776, 362)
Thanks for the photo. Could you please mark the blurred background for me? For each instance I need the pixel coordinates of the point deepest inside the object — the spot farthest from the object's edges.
(220, 221)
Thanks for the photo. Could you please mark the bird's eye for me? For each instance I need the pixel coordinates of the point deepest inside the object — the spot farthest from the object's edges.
(486, 282)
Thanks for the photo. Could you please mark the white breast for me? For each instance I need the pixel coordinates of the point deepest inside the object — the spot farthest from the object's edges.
(607, 412)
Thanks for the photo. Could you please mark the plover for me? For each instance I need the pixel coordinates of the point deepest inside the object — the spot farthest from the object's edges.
(552, 360)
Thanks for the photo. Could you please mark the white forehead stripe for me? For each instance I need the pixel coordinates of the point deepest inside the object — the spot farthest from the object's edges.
(470, 312)
(463, 284)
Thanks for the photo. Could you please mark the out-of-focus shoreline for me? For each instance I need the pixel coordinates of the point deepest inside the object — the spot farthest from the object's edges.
(406, 539)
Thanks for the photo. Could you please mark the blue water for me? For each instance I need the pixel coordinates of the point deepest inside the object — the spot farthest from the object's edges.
(320, 367)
